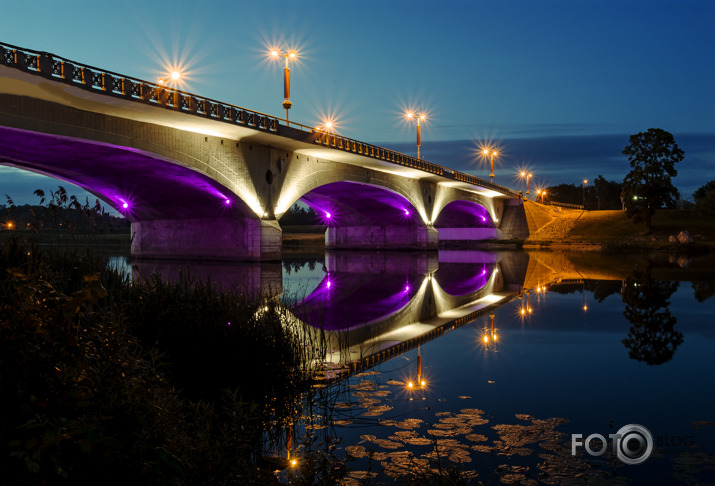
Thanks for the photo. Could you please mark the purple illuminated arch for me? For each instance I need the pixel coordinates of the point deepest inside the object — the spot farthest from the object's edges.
(353, 203)
(137, 184)
(464, 214)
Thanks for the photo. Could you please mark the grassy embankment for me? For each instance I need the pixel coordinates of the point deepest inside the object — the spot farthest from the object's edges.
(550, 226)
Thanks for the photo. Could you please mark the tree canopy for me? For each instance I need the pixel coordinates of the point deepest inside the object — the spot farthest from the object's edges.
(704, 198)
(648, 186)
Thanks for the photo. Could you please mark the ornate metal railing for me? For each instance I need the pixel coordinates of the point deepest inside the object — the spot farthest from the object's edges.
(109, 83)
(118, 85)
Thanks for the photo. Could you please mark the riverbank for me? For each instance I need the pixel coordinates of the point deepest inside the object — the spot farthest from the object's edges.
(557, 228)
(141, 381)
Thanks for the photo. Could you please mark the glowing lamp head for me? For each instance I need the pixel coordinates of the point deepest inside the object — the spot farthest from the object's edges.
(523, 311)
(410, 385)
(494, 337)
(292, 55)
(409, 115)
(423, 383)
(293, 462)
(328, 215)
(407, 288)
(274, 53)
(407, 212)
(486, 339)
(227, 201)
(125, 205)
(175, 75)
(485, 152)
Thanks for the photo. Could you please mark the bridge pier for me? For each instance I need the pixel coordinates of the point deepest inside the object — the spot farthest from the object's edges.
(207, 239)
(375, 237)
(469, 234)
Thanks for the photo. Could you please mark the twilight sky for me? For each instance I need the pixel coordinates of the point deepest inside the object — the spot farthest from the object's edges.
(559, 85)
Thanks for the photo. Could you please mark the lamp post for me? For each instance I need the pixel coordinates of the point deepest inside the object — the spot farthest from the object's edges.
(491, 154)
(286, 79)
(418, 118)
(585, 181)
(542, 193)
(526, 176)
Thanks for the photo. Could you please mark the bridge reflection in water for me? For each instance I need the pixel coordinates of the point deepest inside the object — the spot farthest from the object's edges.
(372, 306)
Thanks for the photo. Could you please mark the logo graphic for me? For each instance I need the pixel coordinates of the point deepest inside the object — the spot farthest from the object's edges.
(632, 444)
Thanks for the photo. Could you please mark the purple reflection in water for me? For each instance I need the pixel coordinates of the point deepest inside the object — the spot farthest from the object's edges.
(463, 278)
(359, 300)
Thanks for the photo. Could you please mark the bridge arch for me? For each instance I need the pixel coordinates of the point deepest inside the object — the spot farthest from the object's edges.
(362, 208)
(172, 206)
(138, 184)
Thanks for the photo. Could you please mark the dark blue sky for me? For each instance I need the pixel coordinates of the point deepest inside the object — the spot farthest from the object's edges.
(560, 85)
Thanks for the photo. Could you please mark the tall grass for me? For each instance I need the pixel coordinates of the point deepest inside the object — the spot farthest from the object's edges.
(104, 379)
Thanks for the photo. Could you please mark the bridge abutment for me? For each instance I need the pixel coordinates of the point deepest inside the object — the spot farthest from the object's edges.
(381, 238)
(207, 239)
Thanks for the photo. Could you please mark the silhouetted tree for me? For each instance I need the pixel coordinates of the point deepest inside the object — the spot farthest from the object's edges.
(703, 290)
(298, 215)
(652, 337)
(704, 198)
(607, 194)
(647, 187)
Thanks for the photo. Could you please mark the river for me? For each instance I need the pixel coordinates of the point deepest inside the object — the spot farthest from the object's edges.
(503, 363)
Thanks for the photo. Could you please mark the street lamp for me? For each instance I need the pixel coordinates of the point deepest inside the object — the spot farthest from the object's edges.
(286, 79)
(585, 181)
(542, 193)
(527, 176)
(491, 154)
(418, 118)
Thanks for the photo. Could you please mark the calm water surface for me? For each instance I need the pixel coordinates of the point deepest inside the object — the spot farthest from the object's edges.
(581, 343)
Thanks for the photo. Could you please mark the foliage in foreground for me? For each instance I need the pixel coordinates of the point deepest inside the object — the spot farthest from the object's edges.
(84, 399)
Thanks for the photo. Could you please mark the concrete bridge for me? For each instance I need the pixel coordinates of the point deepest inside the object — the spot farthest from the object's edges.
(203, 179)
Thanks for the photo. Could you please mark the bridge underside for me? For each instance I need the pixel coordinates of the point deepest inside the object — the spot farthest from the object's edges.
(362, 216)
(175, 212)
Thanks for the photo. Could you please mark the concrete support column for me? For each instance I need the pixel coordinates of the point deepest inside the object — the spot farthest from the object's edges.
(381, 238)
(469, 234)
(207, 239)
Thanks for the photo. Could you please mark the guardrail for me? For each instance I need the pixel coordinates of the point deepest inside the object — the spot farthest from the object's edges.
(564, 205)
(118, 85)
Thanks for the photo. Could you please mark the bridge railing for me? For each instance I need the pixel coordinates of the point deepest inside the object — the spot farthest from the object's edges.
(118, 85)
(333, 140)
(106, 82)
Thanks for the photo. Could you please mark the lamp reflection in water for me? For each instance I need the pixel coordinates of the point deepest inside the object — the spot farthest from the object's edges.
(526, 308)
(420, 384)
(489, 338)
